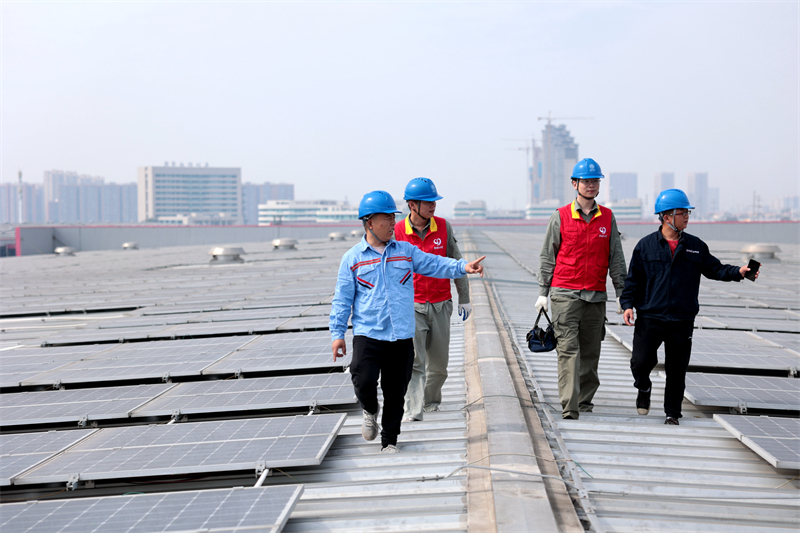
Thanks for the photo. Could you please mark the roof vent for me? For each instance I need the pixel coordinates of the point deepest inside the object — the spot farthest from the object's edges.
(284, 244)
(356, 233)
(760, 251)
(130, 246)
(222, 254)
(65, 250)
(336, 236)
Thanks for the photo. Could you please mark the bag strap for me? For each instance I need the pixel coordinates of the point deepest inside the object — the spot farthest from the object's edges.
(542, 312)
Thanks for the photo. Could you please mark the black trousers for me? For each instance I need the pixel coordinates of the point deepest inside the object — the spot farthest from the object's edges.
(648, 334)
(393, 361)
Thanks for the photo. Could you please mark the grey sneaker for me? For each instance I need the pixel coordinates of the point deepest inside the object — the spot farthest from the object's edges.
(390, 448)
(672, 421)
(369, 427)
(431, 408)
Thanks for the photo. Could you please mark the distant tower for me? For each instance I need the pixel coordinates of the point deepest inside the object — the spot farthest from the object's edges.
(559, 155)
(19, 198)
(698, 192)
(663, 181)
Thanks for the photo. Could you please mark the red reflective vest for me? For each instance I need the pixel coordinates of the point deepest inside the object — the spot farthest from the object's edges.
(582, 260)
(433, 290)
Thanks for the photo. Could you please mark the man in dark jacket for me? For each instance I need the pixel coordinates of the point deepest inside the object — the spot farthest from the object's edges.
(662, 284)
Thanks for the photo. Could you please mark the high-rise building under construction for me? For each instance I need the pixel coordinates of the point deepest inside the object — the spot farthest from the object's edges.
(552, 166)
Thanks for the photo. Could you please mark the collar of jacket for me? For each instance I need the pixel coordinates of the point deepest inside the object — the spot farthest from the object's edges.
(410, 229)
(363, 245)
(575, 209)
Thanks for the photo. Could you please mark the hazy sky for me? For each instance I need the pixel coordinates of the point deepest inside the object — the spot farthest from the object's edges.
(343, 98)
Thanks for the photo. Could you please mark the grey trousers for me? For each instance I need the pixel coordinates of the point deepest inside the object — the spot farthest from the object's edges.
(579, 327)
(431, 355)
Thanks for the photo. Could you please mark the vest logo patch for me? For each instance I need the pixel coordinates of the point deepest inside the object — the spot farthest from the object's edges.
(437, 241)
(603, 230)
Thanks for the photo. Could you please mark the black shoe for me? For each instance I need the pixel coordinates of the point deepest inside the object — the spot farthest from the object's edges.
(672, 421)
(568, 417)
(643, 402)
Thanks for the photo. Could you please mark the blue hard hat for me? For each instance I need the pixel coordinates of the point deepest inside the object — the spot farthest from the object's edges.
(672, 199)
(421, 189)
(376, 202)
(587, 169)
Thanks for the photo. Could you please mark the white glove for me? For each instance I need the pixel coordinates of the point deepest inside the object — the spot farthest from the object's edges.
(464, 310)
(619, 308)
(541, 303)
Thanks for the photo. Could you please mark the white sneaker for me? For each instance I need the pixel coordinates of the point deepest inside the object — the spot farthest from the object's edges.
(390, 448)
(369, 427)
(411, 419)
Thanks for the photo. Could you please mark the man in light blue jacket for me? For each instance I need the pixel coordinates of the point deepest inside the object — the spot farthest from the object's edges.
(375, 284)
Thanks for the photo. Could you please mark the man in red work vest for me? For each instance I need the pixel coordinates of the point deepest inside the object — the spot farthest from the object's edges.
(432, 301)
(581, 248)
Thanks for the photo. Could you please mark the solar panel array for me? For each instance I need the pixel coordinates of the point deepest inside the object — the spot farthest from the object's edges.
(726, 349)
(165, 315)
(164, 450)
(87, 405)
(251, 394)
(775, 439)
(263, 509)
(748, 391)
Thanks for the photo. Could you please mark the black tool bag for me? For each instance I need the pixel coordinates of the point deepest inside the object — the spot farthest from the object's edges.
(541, 340)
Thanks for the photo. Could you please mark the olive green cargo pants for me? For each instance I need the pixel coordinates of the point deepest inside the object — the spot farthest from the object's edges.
(579, 327)
(431, 355)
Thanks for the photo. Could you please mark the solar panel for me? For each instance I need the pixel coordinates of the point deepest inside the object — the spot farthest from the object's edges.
(19, 452)
(89, 336)
(249, 394)
(776, 440)
(204, 447)
(282, 351)
(263, 509)
(145, 360)
(725, 349)
(306, 322)
(225, 328)
(743, 391)
(28, 408)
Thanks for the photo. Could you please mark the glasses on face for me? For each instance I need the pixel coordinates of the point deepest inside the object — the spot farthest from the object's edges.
(683, 213)
(593, 182)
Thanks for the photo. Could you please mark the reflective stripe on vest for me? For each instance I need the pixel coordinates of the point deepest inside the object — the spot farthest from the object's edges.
(582, 260)
(427, 289)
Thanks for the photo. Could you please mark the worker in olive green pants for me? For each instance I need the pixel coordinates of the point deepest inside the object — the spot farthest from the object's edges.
(579, 327)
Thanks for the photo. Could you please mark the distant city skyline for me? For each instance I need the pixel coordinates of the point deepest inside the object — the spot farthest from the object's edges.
(340, 98)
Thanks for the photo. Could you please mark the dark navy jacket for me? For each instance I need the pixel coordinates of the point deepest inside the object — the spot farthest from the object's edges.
(665, 287)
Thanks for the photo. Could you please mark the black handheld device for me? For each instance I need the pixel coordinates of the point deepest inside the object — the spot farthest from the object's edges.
(753, 266)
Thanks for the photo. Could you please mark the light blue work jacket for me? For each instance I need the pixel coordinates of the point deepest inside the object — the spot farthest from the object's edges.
(379, 289)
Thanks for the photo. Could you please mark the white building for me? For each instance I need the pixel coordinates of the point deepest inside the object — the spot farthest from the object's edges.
(281, 211)
(183, 190)
(627, 209)
(542, 210)
(476, 209)
(697, 189)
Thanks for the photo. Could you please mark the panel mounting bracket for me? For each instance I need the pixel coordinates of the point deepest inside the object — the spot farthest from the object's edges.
(260, 467)
(176, 415)
(239, 374)
(313, 408)
(741, 408)
(58, 386)
(793, 372)
(83, 420)
(165, 378)
(72, 482)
